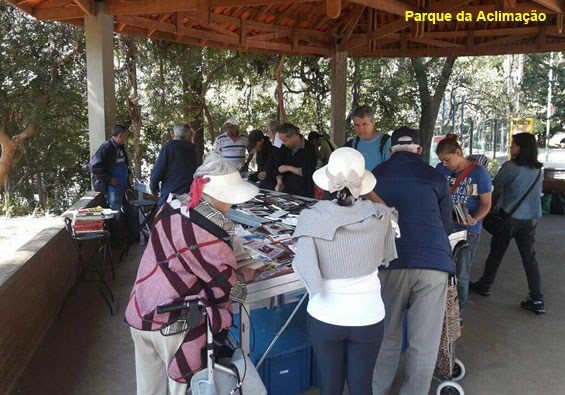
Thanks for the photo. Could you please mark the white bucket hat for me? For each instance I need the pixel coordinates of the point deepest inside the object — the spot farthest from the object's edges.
(345, 168)
(231, 121)
(229, 188)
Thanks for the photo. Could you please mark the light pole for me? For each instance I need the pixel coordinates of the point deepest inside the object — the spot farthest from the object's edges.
(547, 124)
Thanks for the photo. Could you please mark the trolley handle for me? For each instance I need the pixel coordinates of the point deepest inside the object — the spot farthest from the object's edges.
(167, 308)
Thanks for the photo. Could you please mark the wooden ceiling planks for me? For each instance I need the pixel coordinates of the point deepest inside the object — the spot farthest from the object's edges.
(364, 28)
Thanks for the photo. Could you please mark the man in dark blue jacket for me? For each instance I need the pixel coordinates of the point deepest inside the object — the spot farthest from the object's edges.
(175, 164)
(417, 280)
(110, 175)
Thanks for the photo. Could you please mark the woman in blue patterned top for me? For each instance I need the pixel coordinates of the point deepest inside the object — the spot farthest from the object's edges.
(471, 189)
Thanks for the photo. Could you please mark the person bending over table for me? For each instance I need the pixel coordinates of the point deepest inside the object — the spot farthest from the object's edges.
(297, 162)
(189, 257)
(340, 245)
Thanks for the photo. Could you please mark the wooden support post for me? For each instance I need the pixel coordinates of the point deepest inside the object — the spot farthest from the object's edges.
(339, 97)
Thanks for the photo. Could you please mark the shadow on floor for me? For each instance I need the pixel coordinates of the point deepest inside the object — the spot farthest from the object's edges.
(505, 349)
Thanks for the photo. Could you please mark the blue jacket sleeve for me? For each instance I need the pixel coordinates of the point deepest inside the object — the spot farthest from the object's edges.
(159, 170)
(98, 166)
(444, 200)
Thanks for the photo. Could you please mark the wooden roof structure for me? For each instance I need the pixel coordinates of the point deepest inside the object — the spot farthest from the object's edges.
(363, 28)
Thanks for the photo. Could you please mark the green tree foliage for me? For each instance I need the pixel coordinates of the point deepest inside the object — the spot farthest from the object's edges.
(43, 83)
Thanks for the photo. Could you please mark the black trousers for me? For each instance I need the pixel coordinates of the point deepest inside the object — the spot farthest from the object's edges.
(345, 351)
(524, 233)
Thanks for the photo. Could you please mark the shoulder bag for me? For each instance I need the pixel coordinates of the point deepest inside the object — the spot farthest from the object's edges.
(494, 222)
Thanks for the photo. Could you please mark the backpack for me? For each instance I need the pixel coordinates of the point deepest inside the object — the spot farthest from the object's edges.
(355, 142)
(331, 144)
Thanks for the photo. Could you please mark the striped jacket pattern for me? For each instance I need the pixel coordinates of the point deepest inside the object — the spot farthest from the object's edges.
(186, 259)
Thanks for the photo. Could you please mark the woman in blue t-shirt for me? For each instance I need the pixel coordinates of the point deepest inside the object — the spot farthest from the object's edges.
(471, 192)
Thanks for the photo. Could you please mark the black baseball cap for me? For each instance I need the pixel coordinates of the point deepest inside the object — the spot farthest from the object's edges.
(405, 135)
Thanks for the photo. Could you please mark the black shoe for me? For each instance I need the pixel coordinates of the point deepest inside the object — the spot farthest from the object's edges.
(536, 306)
(479, 288)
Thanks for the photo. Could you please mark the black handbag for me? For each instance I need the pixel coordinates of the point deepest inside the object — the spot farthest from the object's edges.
(494, 222)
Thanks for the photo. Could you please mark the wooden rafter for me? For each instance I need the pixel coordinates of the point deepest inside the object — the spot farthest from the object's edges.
(354, 19)
(136, 7)
(303, 27)
(87, 6)
(554, 5)
(393, 6)
(57, 14)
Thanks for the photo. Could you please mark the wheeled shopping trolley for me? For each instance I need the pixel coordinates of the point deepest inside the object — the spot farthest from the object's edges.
(449, 369)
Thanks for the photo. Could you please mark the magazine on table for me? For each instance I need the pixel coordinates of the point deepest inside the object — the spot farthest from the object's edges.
(265, 248)
(274, 228)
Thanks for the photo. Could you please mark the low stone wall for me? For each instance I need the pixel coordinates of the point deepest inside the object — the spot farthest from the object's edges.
(42, 272)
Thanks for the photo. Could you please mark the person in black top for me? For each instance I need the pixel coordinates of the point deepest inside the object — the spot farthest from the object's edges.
(175, 164)
(298, 162)
(266, 167)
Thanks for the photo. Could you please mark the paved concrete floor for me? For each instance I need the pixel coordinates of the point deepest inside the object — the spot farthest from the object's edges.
(506, 350)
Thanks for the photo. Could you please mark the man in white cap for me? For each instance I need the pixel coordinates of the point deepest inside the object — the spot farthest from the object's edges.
(232, 146)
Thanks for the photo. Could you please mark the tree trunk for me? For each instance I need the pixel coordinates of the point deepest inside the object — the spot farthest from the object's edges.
(133, 108)
(9, 147)
(430, 103)
(40, 189)
(278, 70)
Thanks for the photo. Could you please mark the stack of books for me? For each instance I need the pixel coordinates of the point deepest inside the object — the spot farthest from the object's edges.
(88, 220)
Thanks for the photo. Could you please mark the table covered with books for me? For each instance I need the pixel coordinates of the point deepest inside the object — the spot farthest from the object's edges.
(265, 225)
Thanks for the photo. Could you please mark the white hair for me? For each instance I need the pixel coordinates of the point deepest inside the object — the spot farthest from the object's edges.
(413, 148)
(214, 165)
(181, 130)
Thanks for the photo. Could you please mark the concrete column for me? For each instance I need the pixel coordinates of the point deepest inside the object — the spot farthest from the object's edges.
(100, 75)
(339, 96)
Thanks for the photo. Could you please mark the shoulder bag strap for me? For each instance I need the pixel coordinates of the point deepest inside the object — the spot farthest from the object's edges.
(526, 194)
(462, 176)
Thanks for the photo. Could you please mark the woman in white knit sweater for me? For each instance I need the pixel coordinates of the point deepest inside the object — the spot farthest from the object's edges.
(340, 245)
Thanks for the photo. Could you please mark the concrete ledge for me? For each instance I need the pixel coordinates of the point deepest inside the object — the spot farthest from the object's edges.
(33, 287)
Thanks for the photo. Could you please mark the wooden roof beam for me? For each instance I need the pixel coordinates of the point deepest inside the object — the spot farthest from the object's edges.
(136, 7)
(506, 4)
(50, 4)
(57, 14)
(401, 23)
(204, 12)
(333, 8)
(355, 15)
(266, 26)
(163, 18)
(146, 23)
(392, 6)
(557, 6)
(87, 6)
(22, 6)
(435, 43)
(238, 3)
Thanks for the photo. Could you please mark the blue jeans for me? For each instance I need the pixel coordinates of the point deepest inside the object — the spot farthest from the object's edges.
(464, 268)
(118, 203)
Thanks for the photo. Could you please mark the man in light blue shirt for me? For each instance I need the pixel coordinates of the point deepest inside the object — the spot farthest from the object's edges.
(373, 144)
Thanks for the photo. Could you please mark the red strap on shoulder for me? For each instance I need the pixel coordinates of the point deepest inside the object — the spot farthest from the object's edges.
(462, 176)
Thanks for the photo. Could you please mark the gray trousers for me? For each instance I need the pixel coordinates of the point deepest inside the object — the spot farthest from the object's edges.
(425, 292)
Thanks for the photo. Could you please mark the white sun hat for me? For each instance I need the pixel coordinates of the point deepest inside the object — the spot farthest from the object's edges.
(229, 188)
(345, 168)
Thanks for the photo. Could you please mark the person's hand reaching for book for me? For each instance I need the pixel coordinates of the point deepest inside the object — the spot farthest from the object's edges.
(247, 273)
